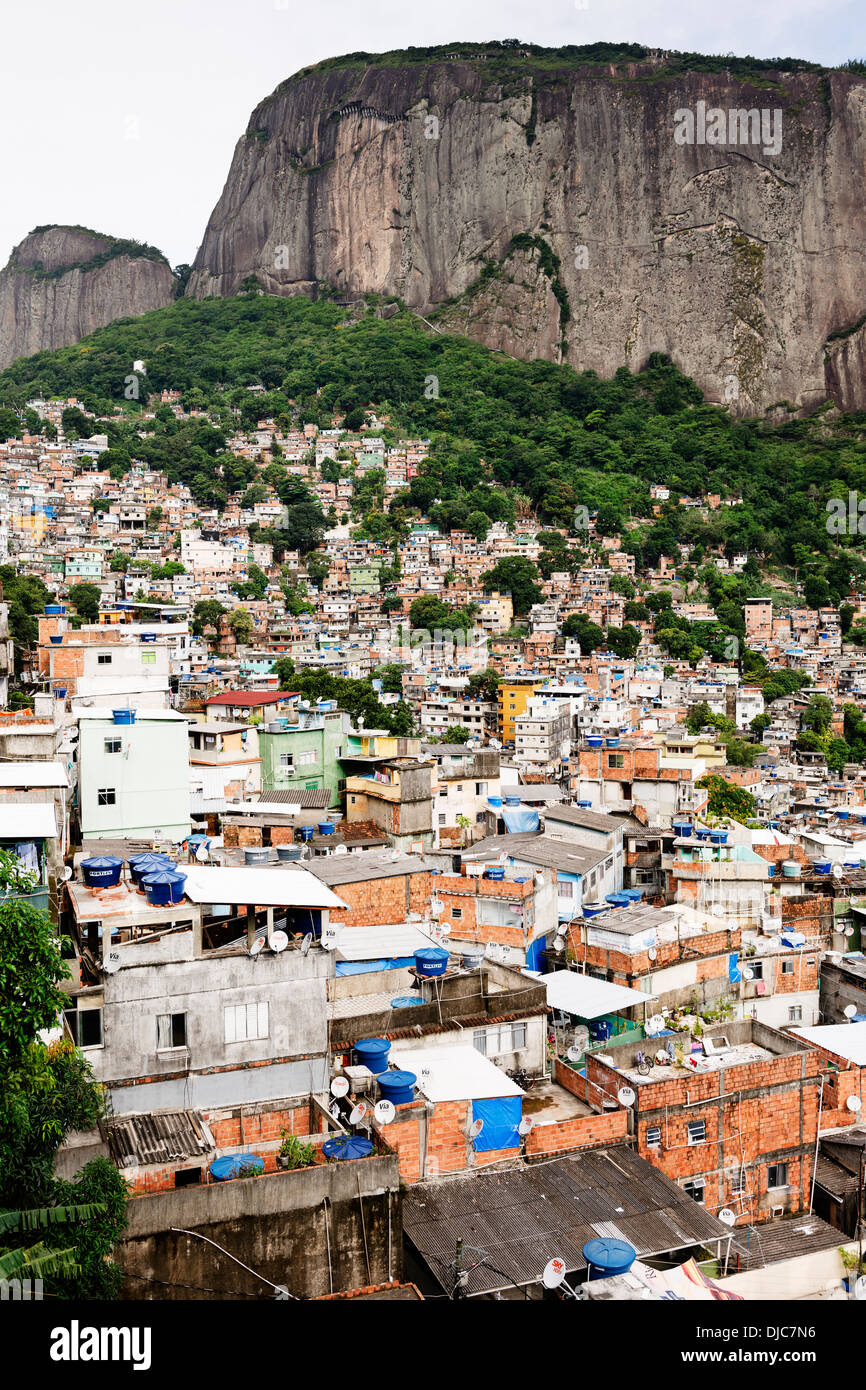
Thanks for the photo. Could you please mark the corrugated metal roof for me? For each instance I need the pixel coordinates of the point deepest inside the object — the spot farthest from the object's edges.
(161, 1137)
(590, 998)
(389, 942)
(308, 798)
(522, 1217)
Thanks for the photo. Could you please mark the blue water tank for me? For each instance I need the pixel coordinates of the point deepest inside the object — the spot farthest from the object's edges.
(683, 829)
(307, 832)
(148, 863)
(431, 961)
(57, 641)
(101, 872)
(634, 895)
(512, 800)
(123, 716)
(617, 899)
(164, 887)
(497, 875)
(397, 1086)
(495, 801)
(593, 742)
(325, 827)
(606, 1257)
(822, 866)
(372, 1053)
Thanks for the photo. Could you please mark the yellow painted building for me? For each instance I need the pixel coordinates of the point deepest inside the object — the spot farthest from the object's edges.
(513, 696)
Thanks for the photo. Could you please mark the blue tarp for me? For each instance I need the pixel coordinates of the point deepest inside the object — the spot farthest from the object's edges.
(366, 967)
(733, 968)
(501, 1118)
(535, 954)
(518, 821)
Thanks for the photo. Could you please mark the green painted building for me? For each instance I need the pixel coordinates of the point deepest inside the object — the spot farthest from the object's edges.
(304, 754)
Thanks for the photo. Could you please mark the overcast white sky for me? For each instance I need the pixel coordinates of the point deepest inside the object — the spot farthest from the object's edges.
(123, 117)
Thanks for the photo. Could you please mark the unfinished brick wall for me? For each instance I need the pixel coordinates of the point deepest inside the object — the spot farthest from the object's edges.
(383, 900)
(579, 1132)
(755, 1115)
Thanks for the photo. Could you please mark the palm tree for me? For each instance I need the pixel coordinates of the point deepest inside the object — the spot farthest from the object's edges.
(38, 1260)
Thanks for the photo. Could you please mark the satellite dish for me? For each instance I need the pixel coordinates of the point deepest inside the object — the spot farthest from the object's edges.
(65, 874)
(384, 1112)
(838, 871)
(850, 1010)
(559, 944)
(258, 945)
(854, 1103)
(279, 941)
(475, 1128)
(554, 1273)
(625, 1095)
(306, 943)
(340, 1086)
(574, 1054)
(330, 937)
(655, 1025)
(340, 849)
(727, 1217)
(444, 928)
(111, 962)
(652, 952)
(359, 1113)
(849, 931)
(748, 973)
(525, 1126)
(732, 924)
(504, 954)
(562, 929)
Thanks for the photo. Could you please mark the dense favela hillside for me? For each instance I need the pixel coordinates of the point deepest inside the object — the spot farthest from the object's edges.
(506, 437)
(592, 205)
(61, 283)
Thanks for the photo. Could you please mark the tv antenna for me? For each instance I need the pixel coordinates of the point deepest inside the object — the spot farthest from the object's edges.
(258, 945)
(359, 1113)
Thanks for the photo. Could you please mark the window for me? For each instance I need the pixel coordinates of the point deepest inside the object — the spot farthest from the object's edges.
(492, 1042)
(738, 1182)
(113, 745)
(795, 1013)
(103, 658)
(457, 913)
(244, 1022)
(442, 819)
(695, 1188)
(757, 969)
(653, 1137)
(287, 760)
(85, 1025)
(148, 658)
(187, 1177)
(304, 759)
(616, 759)
(787, 967)
(777, 1175)
(697, 1131)
(106, 796)
(170, 1031)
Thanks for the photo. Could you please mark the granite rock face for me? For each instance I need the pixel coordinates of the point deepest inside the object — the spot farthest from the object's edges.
(52, 294)
(744, 262)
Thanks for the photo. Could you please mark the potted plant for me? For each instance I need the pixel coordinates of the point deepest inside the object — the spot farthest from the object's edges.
(294, 1153)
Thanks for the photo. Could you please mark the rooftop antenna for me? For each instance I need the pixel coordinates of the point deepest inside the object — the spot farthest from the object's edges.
(359, 1113)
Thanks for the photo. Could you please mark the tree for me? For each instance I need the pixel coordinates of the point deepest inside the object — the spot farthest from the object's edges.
(154, 517)
(241, 624)
(846, 617)
(484, 685)
(727, 800)
(207, 613)
(477, 524)
(119, 563)
(318, 569)
(86, 599)
(817, 714)
(623, 641)
(455, 733)
(589, 635)
(515, 575)
(31, 967)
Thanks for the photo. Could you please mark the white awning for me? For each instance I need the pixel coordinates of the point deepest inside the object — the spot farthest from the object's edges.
(265, 887)
(33, 775)
(381, 943)
(455, 1073)
(28, 821)
(846, 1040)
(590, 998)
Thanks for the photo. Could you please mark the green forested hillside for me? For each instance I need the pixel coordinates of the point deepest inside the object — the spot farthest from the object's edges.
(501, 429)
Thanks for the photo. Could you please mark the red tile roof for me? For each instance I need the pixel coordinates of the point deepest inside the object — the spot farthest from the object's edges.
(251, 697)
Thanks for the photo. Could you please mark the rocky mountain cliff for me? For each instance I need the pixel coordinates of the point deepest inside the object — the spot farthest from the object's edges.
(541, 202)
(61, 283)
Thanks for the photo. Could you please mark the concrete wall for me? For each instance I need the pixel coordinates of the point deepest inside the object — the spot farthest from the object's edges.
(280, 1225)
(150, 777)
(801, 1277)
